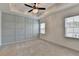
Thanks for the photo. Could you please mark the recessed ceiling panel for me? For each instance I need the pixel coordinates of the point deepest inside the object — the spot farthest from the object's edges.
(20, 7)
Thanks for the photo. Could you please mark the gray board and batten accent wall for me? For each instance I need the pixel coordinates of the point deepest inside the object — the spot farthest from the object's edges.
(17, 28)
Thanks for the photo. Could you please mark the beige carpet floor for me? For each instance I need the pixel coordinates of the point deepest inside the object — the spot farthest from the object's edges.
(36, 48)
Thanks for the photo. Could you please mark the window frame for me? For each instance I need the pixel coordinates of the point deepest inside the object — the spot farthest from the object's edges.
(42, 29)
(65, 27)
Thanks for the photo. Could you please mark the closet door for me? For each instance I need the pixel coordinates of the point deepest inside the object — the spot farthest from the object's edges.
(35, 28)
(28, 28)
(32, 28)
(20, 28)
(8, 28)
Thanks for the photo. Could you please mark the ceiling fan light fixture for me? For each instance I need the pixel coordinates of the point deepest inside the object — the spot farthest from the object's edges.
(35, 11)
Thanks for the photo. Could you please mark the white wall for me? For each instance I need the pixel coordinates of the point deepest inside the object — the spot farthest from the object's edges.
(0, 28)
(4, 6)
(55, 28)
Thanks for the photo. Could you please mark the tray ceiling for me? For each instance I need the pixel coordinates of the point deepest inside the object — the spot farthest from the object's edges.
(21, 8)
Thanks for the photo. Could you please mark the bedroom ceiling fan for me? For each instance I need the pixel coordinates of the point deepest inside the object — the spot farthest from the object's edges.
(34, 9)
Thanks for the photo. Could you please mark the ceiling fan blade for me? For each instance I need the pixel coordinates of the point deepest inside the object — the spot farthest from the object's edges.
(28, 5)
(30, 10)
(41, 8)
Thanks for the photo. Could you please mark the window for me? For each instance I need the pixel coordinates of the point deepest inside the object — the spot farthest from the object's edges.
(72, 27)
(42, 28)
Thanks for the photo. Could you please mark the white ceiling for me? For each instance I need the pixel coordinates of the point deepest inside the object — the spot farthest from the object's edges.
(50, 8)
(20, 7)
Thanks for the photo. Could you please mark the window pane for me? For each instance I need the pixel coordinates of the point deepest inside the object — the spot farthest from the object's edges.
(42, 28)
(72, 27)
